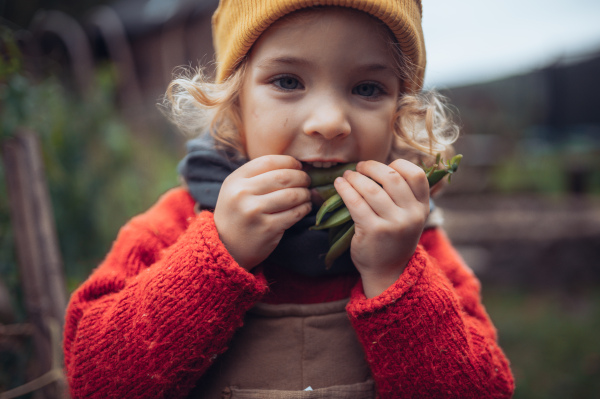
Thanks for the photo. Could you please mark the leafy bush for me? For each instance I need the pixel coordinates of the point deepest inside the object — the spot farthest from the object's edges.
(99, 171)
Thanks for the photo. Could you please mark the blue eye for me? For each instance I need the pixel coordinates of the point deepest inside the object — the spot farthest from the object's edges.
(367, 90)
(287, 83)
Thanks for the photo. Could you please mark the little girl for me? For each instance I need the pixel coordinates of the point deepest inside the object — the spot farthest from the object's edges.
(220, 290)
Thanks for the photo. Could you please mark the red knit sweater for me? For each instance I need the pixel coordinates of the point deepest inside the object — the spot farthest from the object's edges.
(168, 297)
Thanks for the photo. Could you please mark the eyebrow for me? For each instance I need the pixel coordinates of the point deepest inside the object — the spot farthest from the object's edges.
(375, 67)
(285, 60)
(289, 60)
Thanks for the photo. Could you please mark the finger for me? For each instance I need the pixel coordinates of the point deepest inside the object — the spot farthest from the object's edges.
(393, 184)
(286, 219)
(356, 204)
(374, 195)
(267, 163)
(279, 179)
(282, 200)
(415, 177)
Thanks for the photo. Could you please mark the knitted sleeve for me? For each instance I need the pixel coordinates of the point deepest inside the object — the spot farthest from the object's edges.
(428, 335)
(159, 309)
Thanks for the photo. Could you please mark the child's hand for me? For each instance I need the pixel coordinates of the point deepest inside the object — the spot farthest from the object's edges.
(257, 203)
(389, 218)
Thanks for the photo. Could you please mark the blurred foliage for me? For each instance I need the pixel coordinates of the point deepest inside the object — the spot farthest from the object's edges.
(536, 166)
(542, 174)
(99, 172)
(551, 340)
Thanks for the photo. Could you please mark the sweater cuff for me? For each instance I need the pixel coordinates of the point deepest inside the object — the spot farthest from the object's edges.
(360, 306)
(220, 265)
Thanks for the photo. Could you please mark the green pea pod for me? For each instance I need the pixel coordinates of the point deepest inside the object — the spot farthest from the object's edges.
(435, 176)
(341, 216)
(326, 191)
(332, 203)
(339, 246)
(335, 233)
(324, 176)
(454, 162)
(427, 169)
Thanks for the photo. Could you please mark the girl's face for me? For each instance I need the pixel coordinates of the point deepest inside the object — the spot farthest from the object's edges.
(321, 87)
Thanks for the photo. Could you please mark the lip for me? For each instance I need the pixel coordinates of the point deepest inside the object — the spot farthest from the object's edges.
(306, 162)
(316, 159)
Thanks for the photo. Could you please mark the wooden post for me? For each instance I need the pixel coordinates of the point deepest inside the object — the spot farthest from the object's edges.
(38, 255)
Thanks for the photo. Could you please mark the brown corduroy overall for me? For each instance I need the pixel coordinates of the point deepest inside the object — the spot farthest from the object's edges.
(283, 349)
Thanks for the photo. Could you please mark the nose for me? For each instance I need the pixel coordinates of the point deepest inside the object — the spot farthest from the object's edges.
(328, 118)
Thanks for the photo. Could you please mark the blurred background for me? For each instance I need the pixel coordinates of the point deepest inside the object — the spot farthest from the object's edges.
(523, 77)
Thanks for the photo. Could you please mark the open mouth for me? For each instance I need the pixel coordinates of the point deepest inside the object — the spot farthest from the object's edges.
(322, 174)
(306, 166)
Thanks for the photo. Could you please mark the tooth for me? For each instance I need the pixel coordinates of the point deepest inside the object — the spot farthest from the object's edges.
(327, 164)
(318, 164)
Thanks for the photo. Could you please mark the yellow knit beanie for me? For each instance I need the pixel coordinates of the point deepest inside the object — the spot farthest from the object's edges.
(237, 24)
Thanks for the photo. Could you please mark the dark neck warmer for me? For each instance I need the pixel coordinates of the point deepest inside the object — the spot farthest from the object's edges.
(301, 250)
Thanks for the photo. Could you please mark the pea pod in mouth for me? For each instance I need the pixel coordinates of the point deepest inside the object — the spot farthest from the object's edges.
(334, 215)
(322, 177)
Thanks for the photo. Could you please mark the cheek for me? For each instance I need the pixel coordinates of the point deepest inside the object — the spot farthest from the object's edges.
(249, 132)
(264, 134)
(376, 141)
(251, 123)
